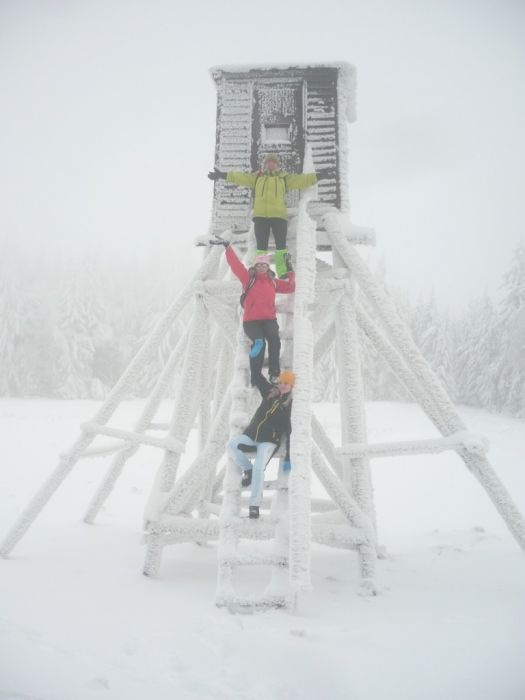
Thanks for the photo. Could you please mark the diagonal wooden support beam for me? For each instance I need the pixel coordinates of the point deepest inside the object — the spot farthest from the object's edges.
(339, 494)
(190, 485)
(326, 446)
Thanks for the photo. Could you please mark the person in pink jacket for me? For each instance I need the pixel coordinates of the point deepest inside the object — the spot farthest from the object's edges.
(260, 318)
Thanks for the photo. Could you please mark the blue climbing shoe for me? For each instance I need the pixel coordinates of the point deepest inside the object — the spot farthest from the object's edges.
(257, 347)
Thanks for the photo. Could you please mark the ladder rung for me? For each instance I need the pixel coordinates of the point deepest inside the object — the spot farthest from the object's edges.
(246, 559)
(239, 603)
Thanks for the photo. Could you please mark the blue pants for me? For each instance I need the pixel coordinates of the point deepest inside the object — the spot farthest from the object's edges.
(263, 455)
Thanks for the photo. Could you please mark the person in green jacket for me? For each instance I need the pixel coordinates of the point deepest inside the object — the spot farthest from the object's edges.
(269, 208)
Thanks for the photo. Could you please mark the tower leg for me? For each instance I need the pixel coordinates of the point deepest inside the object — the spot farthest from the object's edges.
(46, 491)
(301, 438)
(186, 404)
(356, 472)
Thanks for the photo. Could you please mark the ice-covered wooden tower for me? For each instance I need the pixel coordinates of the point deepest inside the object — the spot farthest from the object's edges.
(301, 112)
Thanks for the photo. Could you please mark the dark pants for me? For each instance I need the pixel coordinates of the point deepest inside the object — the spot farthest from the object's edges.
(269, 332)
(262, 227)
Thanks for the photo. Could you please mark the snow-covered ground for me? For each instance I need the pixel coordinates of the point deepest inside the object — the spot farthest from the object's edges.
(78, 620)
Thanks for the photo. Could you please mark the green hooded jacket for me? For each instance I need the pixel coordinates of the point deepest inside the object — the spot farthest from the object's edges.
(270, 190)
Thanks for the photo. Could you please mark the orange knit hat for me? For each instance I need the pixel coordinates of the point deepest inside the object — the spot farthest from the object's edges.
(287, 377)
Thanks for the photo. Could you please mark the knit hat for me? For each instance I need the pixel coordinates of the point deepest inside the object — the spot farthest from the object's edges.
(262, 259)
(272, 156)
(287, 377)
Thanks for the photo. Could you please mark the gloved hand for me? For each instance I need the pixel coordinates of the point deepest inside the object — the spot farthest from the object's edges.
(287, 465)
(288, 262)
(326, 173)
(216, 174)
(219, 241)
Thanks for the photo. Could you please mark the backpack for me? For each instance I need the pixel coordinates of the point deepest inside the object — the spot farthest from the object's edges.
(251, 282)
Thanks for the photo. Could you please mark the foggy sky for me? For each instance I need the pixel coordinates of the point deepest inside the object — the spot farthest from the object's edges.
(107, 125)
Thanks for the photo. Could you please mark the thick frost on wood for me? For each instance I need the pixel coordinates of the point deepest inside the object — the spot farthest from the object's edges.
(475, 444)
(301, 440)
(441, 405)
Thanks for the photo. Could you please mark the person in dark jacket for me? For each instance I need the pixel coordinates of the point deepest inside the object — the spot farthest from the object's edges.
(259, 317)
(270, 423)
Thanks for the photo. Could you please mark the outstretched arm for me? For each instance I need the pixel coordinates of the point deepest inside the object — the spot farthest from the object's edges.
(300, 182)
(242, 179)
(263, 385)
(236, 266)
(286, 286)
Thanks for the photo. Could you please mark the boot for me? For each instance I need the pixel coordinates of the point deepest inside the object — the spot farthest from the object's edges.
(254, 512)
(246, 478)
(280, 263)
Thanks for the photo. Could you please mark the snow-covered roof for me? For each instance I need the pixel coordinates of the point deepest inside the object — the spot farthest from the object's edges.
(346, 83)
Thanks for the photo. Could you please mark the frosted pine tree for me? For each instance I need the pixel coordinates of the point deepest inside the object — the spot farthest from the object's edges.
(11, 305)
(436, 342)
(76, 348)
(479, 347)
(510, 373)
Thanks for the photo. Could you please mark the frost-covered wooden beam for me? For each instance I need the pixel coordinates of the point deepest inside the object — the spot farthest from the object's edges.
(103, 450)
(475, 444)
(225, 289)
(231, 497)
(339, 494)
(301, 438)
(356, 473)
(223, 318)
(158, 426)
(166, 443)
(326, 446)
(355, 516)
(177, 529)
(329, 286)
(196, 476)
(401, 370)
(187, 492)
(186, 402)
(324, 343)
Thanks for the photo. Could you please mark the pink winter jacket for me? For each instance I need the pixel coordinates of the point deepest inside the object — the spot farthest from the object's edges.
(259, 304)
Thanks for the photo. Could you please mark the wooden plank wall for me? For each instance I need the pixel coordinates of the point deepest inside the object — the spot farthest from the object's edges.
(322, 136)
(233, 152)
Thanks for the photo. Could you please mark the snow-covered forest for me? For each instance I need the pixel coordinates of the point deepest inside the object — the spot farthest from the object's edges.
(69, 327)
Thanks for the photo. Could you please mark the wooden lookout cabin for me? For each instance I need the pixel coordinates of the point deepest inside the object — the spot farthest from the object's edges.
(299, 112)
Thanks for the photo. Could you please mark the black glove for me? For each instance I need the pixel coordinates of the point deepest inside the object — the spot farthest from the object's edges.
(288, 262)
(219, 241)
(217, 174)
(326, 173)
